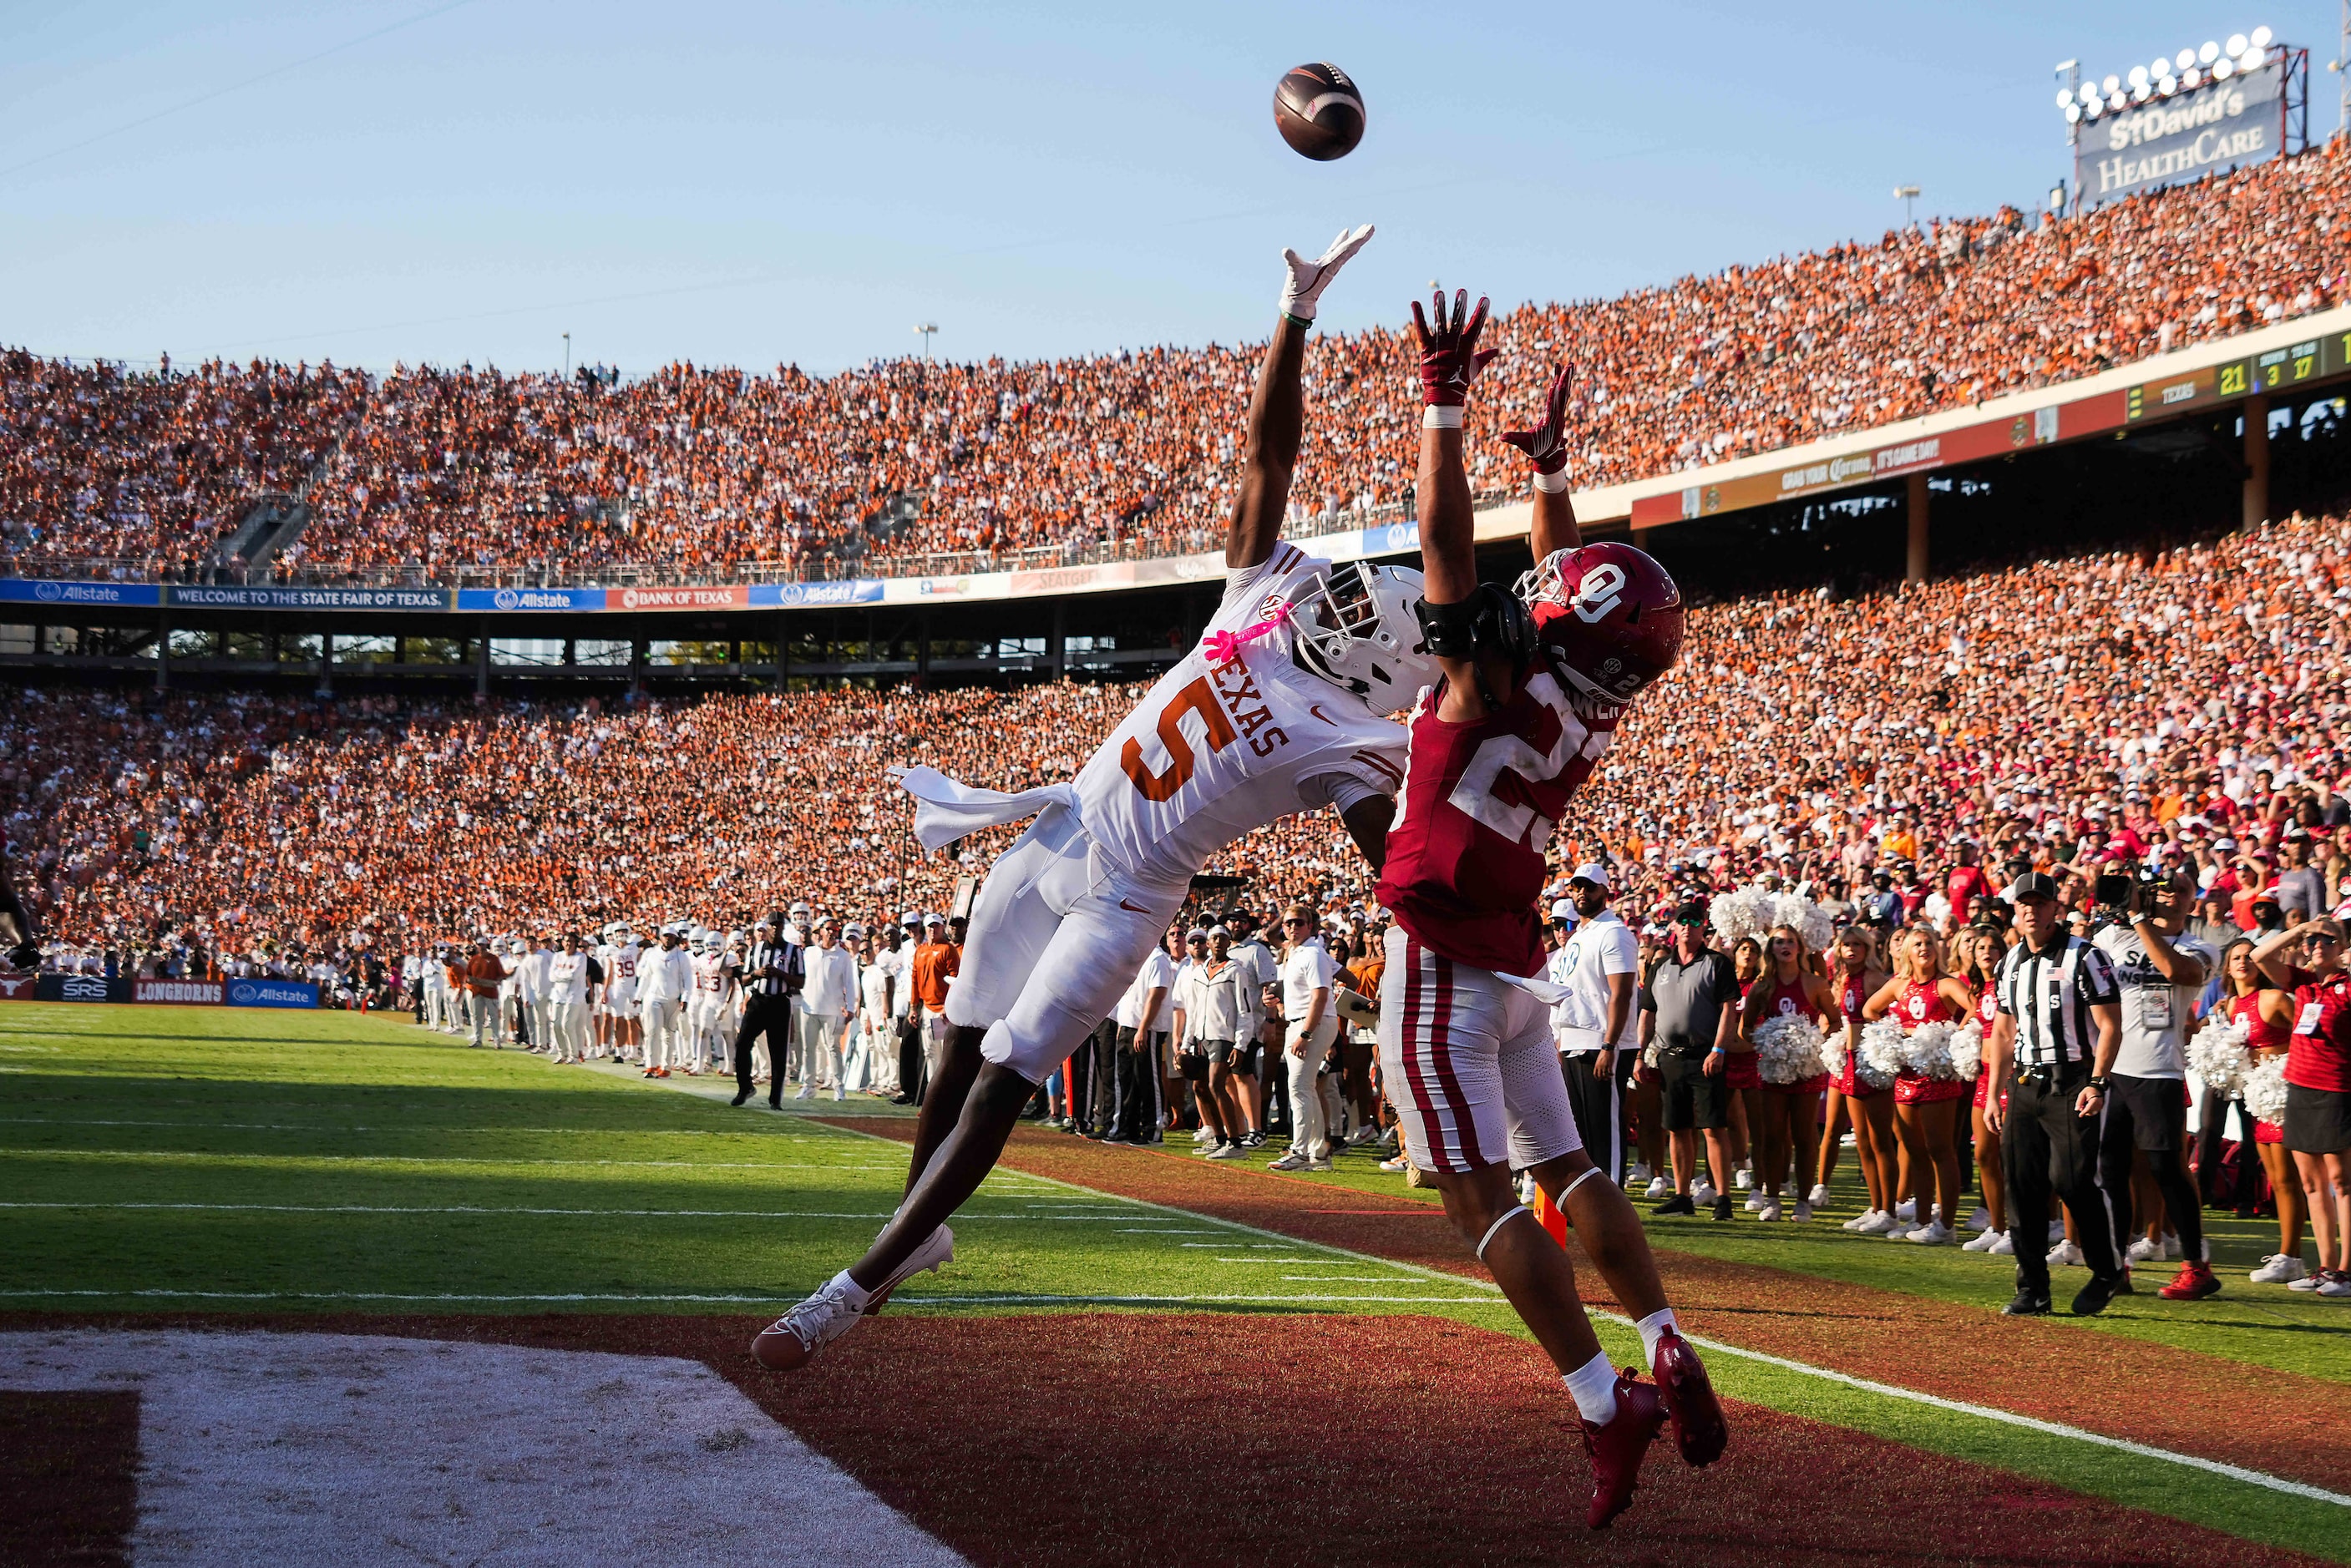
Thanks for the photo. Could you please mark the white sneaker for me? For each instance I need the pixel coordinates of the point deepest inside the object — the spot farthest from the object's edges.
(2278, 1269)
(1231, 1151)
(805, 1093)
(1858, 1221)
(1362, 1134)
(1804, 1213)
(1744, 1178)
(1702, 1192)
(2334, 1287)
(837, 1095)
(1935, 1235)
(1396, 1166)
(1636, 1177)
(2307, 1283)
(1205, 1136)
(1981, 1219)
(1820, 1196)
(1754, 1203)
(1980, 1243)
(2003, 1248)
(800, 1333)
(1294, 1160)
(1317, 1165)
(2143, 1250)
(1659, 1186)
(1881, 1223)
(2171, 1246)
(1769, 1213)
(1907, 1210)
(2065, 1255)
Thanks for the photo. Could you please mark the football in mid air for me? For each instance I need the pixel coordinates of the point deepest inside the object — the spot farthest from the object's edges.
(1319, 112)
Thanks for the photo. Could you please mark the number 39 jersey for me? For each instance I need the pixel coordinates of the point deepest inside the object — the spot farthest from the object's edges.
(1464, 861)
(1226, 744)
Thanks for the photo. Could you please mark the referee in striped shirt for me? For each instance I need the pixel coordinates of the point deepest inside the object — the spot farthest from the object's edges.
(772, 970)
(2059, 1028)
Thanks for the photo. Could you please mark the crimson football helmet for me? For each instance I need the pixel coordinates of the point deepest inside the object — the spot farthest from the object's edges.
(1608, 616)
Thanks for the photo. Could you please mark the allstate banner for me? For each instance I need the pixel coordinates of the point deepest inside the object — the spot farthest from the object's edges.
(25, 591)
(272, 993)
(530, 599)
(2168, 140)
(792, 596)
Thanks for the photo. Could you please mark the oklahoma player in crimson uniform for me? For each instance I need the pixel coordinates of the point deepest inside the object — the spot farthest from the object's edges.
(1529, 700)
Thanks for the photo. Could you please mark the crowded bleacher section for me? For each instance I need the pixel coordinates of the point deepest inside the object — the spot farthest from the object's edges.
(715, 474)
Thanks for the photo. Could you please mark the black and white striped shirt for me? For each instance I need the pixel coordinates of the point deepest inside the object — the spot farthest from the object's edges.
(2049, 993)
(784, 956)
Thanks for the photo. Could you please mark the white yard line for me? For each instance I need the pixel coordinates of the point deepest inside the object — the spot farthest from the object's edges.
(596, 1213)
(562, 1296)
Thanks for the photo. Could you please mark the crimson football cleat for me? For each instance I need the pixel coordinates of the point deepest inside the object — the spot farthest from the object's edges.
(1700, 1430)
(1618, 1447)
(2194, 1282)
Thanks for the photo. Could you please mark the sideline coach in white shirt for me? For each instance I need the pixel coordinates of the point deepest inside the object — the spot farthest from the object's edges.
(1596, 1025)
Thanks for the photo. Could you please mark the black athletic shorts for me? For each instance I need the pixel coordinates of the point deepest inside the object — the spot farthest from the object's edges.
(2317, 1121)
(1193, 1065)
(2158, 1115)
(1248, 1058)
(1692, 1099)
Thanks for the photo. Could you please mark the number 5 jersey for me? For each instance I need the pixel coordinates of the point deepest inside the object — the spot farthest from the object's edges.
(1465, 860)
(1238, 735)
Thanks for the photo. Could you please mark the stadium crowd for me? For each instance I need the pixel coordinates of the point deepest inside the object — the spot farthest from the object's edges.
(701, 473)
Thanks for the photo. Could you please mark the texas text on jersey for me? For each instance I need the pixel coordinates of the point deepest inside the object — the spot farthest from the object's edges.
(1465, 857)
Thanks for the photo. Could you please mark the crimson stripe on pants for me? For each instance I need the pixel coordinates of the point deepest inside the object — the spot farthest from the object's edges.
(1441, 1050)
(1415, 1074)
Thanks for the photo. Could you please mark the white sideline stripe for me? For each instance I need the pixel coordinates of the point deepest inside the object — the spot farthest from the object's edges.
(2006, 1417)
(226, 1156)
(491, 1209)
(754, 1130)
(592, 1296)
(2031, 1423)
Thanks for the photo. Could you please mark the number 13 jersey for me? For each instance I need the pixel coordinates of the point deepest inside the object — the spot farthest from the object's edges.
(1225, 745)
(1464, 861)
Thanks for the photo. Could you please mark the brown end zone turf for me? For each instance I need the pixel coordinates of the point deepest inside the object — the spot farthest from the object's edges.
(69, 1477)
(2181, 1400)
(1069, 1439)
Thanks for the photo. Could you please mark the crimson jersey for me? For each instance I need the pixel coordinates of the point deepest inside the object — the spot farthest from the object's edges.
(1465, 856)
(1921, 1001)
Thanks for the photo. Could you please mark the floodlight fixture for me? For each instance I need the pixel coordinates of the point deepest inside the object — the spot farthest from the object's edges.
(2191, 78)
(2168, 85)
(2092, 107)
(2237, 43)
(2209, 53)
(2118, 102)
(2184, 58)
(2223, 68)
(2073, 114)
(2138, 76)
(2065, 98)
(2111, 85)
(2261, 37)
(2159, 67)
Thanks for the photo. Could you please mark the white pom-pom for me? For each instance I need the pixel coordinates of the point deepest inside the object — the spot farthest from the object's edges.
(1926, 1050)
(1734, 915)
(1788, 1049)
(2218, 1053)
(1832, 1053)
(1967, 1051)
(2265, 1091)
(1884, 1052)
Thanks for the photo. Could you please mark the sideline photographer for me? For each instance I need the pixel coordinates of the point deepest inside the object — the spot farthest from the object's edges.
(2160, 971)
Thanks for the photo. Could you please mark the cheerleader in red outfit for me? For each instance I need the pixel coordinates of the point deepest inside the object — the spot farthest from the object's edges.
(1788, 988)
(1871, 1111)
(2267, 1013)
(1978, 950)
(1744, 1078)
(1926, 1110)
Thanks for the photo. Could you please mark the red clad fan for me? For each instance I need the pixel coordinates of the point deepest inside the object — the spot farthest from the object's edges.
(1529, 699)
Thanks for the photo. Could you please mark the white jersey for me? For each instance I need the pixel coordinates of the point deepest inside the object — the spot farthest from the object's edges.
(620, 973)
(709, 981)
(1221, 747)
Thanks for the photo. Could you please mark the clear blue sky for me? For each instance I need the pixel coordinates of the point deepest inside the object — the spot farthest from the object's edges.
(753, 183)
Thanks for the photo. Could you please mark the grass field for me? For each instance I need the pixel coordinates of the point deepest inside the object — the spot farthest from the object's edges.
(229, 1162)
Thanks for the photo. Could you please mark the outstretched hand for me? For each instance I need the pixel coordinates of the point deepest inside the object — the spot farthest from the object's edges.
(1546, 444)
(1449, 355)
(1308, 279)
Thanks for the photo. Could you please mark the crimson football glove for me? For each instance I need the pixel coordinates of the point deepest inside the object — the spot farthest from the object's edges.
(1449, 355)
(1546, 444)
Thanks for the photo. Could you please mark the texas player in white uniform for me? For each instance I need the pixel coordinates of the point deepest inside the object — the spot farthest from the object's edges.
(1531, 691)
(1283, 708)
(619, 959)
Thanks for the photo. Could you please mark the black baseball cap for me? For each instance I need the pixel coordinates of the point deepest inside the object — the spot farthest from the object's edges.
(1689, 912)
(2032, 885)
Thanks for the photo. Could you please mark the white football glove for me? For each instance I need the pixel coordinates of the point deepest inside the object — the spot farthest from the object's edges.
(1308, 279)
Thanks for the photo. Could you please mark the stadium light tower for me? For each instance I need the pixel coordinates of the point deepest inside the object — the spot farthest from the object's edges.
(926, 329)
(1909, 196)
(567, 356)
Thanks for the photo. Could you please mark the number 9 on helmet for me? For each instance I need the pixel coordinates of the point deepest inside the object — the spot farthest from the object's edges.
(1356, 629)
(1608, 616)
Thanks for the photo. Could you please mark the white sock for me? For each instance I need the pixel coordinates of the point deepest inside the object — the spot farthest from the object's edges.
(1593, 1386)
(857, 1295)
(1654, 1327)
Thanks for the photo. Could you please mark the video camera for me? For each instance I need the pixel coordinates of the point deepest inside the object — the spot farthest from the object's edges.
(2124, 894)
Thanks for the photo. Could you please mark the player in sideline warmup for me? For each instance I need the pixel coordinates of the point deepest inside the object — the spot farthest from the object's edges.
(1532, 685)
(1283, 707)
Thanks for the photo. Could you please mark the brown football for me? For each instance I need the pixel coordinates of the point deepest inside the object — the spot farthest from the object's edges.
(1319, 112)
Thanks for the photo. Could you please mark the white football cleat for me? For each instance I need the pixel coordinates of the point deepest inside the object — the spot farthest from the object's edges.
(793, 1339)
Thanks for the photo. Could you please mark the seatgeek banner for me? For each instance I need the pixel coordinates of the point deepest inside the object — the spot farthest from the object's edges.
(2228, 124)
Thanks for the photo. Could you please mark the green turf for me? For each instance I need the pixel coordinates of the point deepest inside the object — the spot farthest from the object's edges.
(191, 1159)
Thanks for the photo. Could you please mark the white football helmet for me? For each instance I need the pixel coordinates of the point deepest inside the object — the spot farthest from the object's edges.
(1355, 628)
